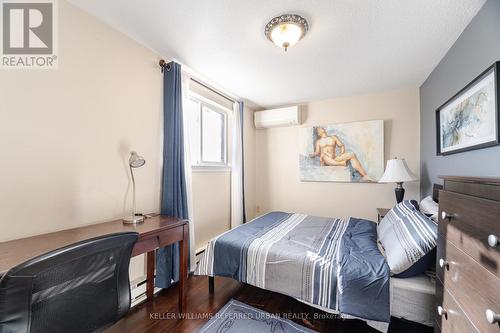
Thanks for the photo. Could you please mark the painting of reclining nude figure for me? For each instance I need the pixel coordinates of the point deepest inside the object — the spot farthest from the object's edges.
(348, 152)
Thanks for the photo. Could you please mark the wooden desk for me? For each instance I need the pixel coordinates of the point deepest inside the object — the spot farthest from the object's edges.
(155, 232)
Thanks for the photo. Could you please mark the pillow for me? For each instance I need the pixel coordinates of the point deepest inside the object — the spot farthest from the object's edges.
(429, 207)
(407, 235)
(423, 264)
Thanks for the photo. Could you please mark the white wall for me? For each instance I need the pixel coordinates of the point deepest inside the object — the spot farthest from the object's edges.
(277, 158)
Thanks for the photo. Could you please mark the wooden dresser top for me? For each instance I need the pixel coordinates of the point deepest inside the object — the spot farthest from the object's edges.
(486, 188)
(478, 180)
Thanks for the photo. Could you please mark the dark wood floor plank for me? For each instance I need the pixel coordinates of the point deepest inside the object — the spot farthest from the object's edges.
(161, 314)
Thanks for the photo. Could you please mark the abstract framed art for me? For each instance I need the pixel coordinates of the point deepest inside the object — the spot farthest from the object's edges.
(347, 152)
(470, 119)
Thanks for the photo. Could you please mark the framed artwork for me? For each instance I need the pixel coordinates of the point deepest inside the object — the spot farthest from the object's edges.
(470, 119)
(348, 152)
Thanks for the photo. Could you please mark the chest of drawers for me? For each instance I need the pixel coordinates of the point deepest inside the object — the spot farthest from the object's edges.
(468, 256)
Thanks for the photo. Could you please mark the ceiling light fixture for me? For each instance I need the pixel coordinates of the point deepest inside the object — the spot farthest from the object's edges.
(286, 30)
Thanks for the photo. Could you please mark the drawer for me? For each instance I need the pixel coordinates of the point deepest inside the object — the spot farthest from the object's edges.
(472, 221)
(146, 245)
(171, 236)
(473, 287)
(453, 320)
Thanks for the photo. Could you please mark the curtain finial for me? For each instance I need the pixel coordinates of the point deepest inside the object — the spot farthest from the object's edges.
(164, 65)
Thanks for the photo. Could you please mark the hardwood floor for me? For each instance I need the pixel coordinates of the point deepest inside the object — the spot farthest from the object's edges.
(160, 315)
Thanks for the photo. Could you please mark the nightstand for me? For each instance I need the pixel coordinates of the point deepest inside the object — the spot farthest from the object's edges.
(381, 213)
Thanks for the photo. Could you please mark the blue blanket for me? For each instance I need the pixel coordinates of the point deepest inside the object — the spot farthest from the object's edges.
(334, 264)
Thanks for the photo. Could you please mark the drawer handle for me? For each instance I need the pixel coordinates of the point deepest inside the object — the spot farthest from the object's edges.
(441, 311)
(446, 216)
(444, 264)
(493, 241)
(492, 317)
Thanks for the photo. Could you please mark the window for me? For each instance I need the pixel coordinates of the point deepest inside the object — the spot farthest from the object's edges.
(208, 133)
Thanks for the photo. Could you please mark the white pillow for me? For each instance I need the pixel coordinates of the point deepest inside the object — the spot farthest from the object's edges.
(407, 235)
(429, 207)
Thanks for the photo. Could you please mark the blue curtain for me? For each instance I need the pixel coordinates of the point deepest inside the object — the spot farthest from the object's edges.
(174, 197)
(241, 107)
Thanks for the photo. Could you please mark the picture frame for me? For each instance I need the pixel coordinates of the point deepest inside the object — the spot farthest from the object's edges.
(351, 152)
(470, 119)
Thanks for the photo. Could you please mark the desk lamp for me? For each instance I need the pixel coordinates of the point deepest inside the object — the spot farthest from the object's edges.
(135, 161)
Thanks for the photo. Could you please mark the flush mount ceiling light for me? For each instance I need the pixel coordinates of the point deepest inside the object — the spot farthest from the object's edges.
(286, 30)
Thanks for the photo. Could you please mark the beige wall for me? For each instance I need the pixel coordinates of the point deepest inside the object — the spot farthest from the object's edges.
(249, 132)
(212, 204)
(65, 134)
(277, 172)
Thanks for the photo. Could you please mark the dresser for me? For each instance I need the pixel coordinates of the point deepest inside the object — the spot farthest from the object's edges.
(468, 256)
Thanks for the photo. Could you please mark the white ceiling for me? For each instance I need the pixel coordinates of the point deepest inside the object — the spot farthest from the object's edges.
(353, 46)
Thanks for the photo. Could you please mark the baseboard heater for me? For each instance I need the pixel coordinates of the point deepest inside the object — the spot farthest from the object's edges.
(138, 289)
(138, 292)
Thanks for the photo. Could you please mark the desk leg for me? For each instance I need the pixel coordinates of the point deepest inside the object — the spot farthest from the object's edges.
(150, 278)
(183, 274)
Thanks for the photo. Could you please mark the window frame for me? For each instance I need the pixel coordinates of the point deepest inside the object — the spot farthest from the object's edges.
(204, 102)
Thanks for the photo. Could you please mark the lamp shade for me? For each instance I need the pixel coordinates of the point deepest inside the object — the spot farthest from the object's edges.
(136, 161)
(397, 172)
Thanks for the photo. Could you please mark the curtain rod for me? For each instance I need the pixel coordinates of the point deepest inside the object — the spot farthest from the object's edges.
(164, 64)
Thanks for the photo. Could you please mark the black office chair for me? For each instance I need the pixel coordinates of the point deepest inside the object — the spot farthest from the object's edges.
(83, 287)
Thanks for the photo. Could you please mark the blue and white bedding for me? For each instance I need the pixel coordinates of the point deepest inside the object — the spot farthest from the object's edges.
(333, 264)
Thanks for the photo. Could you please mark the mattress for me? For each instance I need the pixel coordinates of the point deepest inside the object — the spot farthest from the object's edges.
(413, 299)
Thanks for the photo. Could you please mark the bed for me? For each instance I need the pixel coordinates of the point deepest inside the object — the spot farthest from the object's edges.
(332, 264)
(413, 299)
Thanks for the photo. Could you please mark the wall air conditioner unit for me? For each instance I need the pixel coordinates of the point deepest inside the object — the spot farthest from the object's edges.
(288, 116)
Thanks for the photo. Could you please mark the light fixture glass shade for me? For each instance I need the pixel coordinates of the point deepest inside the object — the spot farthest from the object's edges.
(286, 35)
(136, 161)
(286, 30)
(397, 171)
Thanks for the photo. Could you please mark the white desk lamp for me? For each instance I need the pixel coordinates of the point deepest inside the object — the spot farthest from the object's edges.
(135, 161)
(398, 172)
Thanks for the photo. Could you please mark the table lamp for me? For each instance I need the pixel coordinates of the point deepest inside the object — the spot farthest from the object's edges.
(397, 172)
(135, 161)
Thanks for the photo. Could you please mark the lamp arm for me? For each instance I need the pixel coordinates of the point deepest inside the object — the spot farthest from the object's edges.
(133, 190)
